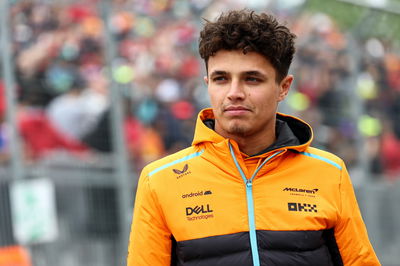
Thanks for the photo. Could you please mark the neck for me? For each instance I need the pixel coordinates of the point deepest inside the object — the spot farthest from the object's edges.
(251, 144)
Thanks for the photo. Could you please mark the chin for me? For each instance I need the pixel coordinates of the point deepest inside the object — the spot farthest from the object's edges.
(238, 130)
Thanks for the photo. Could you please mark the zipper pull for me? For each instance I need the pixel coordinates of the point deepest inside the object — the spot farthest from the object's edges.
(249, 183)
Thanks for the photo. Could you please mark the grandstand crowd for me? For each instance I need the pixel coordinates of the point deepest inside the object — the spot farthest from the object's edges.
(347, 88)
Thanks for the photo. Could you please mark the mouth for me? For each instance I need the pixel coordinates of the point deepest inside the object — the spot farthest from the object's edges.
(236, 110)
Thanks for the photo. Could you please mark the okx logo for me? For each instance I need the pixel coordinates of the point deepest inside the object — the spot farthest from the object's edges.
(182, 172)
(199, 212)
(302, 207)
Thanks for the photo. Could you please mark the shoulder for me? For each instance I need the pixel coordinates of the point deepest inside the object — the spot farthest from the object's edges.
(159, 167)
(323, 157)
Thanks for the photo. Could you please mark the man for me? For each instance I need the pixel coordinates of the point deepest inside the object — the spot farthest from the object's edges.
(250, 190)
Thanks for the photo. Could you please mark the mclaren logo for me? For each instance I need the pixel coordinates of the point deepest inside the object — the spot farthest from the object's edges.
(301, 190)
(182, 172)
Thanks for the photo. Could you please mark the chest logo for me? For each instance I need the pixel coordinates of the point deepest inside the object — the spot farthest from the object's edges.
(301, 190)
(311, 193)
(179, 172)
(196, 194)
(199, 212)
(198, 209)
(182, 172)
(302, 207)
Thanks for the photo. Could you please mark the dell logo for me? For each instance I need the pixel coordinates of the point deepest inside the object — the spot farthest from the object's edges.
(198, 209)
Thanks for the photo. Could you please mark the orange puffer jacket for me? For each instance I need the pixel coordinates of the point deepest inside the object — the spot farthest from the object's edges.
(210, 204)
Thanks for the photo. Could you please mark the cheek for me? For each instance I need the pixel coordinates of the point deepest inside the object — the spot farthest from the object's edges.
(214, 104)
(266, 104)
(215, 97)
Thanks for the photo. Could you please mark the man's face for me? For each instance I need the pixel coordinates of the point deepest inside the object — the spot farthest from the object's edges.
(244, 93)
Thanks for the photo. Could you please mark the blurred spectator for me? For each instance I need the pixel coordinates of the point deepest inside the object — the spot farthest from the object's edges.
(3, 133)
(75, 113)
(40, 137)
(391, 154)
(158, 70)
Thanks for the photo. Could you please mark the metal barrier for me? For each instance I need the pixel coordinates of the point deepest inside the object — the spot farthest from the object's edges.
(87, 214)
(379, 204)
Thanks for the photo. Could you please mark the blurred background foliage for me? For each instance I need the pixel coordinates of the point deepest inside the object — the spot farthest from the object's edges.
(362, 18)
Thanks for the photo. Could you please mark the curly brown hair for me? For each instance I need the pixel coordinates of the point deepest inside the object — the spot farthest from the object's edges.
(250, 32)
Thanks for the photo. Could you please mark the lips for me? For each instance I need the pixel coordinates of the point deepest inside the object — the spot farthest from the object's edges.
(236, 110)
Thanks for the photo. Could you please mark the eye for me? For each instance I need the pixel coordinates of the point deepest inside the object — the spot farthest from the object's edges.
(219, 79)
(253, 79)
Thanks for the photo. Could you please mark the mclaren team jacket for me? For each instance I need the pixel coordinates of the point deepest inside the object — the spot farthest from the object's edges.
(211, 205)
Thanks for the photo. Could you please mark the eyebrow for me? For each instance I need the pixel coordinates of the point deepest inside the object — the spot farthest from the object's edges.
(218, 72)
(251, 73)
(255, 73)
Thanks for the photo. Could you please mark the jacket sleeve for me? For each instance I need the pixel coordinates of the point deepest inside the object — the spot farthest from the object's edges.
(150, 240)
(350, 232)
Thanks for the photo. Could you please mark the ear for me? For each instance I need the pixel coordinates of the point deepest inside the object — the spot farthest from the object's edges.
(284, 87)
(206, 79)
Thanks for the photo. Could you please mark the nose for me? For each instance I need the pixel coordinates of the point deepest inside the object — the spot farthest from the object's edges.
(236, 91)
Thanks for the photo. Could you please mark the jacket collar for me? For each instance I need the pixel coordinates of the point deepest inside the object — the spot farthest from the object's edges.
(292, 132)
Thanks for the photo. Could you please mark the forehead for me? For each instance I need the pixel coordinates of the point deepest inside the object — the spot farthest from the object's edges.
(236, 61)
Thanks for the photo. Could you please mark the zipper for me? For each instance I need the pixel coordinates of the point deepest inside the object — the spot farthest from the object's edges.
(250, 203)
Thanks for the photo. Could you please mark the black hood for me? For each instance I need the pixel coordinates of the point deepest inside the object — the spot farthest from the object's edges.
(289, 131)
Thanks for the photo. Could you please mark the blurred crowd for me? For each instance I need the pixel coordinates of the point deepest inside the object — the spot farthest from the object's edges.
(347, 88)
